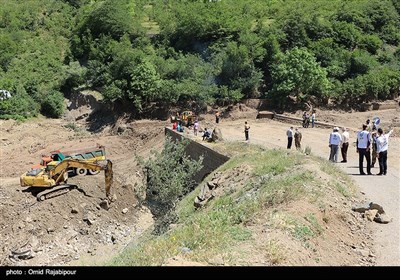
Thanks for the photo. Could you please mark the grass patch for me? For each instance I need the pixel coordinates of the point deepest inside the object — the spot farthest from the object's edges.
(72, 126)
(274, 252)
(343, 183)
(341, 189)
(285, 189)
(316, 227)
(297, 227)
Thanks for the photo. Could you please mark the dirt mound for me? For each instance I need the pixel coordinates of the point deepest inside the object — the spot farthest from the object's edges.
(71, 228)
(319, 229)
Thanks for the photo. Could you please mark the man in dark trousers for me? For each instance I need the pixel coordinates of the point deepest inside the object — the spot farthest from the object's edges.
(246, 130)
(217, 116)
(289, 134)
(382, 148)
(297, 139)
(363, 150)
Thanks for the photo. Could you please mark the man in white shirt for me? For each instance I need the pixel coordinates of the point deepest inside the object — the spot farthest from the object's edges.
(382, 145)
(334, 141)
(363, 150)
(289, 134)
(345, 144)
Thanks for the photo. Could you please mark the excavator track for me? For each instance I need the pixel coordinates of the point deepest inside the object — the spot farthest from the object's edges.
(56, 191)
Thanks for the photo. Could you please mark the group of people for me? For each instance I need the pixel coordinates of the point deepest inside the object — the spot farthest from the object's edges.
(368, 138)
(297, 138)
(179, 127)
(307, 119)
(337, 140)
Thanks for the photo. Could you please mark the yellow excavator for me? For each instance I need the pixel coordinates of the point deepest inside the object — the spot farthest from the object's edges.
(54, 176)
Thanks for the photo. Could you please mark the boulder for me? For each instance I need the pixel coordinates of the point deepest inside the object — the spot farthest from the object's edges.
(361, 208)
(382, 219)
(216, 135)
(370, 214)
(377, 207)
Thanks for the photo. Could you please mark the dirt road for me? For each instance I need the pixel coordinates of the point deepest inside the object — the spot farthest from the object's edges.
(383, 190)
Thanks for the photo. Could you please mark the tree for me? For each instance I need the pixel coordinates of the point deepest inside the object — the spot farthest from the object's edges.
(362, 62)
(297, 73)
(144, 84)
(53, 105)
(238, 71)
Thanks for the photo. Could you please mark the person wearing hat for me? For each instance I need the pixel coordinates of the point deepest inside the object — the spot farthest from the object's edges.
(334, 141)
(363, 149)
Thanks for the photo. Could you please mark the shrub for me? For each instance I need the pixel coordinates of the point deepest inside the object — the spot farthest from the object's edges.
(53, 105)
(169, 176)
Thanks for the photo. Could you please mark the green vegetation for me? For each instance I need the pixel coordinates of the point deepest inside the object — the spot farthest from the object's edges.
(191, 53)
(276, 181)
(169, 176)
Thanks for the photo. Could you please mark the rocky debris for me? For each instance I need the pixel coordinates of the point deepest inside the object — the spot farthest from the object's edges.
(83, 231)
(125, 210)
(104, 204)
(370, 214)
(22, 255)
(89, 218)
(221, 183)
(361, 208)
(74, 210)
(382, 218)
(373, 212)
(376, 207)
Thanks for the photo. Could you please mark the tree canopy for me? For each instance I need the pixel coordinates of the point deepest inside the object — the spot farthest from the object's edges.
(171, 52)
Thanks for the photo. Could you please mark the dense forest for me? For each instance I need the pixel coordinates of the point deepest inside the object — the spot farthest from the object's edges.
(196, 52)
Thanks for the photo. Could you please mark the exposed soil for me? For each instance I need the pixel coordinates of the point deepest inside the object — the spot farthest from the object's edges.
(72, 229)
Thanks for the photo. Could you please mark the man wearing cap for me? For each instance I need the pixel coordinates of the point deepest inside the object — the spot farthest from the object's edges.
(363, 149)
(334, 141)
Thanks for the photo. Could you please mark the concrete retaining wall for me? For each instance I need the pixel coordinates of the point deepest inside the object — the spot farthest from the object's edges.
(212, 159)
(300, 121)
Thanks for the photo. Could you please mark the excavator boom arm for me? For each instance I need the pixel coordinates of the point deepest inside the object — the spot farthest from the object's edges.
(63, 166)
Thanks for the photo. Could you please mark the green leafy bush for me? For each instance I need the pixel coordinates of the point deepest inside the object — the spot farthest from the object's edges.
(53, 105)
